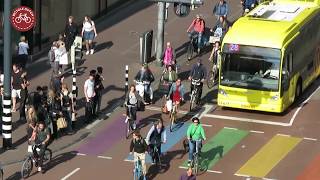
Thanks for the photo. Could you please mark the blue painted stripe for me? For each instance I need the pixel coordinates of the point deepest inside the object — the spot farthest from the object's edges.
(172, 139)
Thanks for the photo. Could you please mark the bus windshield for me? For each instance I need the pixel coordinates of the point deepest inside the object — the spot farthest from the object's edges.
(250, 67)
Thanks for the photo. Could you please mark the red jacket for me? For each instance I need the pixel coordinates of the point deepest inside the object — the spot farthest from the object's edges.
(197, 25)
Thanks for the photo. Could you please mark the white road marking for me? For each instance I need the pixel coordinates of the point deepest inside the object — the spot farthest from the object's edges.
(182, 167)
(206, 125)
(153, 108)
(259, 132)
(290, 123)
(230, 128)
(268, 179)
(217, 172)
(311, 139)
(104, 157)
(70, 174)
(129, 160)
(284, 135)
(242, 175)
(80, 154)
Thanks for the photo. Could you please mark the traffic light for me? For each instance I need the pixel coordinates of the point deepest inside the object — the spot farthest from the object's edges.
(181, 9)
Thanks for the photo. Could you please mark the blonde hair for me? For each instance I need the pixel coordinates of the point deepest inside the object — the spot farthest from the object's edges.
(31, 116)
(23, 39)
(51, 94)
(64, 86)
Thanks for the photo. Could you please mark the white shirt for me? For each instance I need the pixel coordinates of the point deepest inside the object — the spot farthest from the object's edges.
(87, 26)
(56, 54)
(89, 84)
(23, 48)
(163, 134)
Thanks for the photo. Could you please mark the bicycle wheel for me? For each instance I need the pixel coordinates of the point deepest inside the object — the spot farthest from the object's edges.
(172, 120)
(190, 50)
(47, 156)
(195, 165)
(26, 167)
(211, 79)
(163, 102)
(128, 129)
(192, 100)
(157, 158)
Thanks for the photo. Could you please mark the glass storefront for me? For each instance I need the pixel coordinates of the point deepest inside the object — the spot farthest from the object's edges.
(52, 17)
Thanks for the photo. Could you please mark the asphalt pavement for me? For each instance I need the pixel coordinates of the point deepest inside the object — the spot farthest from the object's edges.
(239, 145)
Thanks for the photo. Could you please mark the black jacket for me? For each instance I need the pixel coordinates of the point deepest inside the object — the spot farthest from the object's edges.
(146, 76)
(138, 146)
(198, 72)
(71, 31)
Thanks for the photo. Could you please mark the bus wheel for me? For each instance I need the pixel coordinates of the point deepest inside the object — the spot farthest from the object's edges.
(298, 90)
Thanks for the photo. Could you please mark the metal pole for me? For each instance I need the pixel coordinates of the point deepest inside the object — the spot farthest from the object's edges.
(160, 35)
(127, 80)
(6, 119)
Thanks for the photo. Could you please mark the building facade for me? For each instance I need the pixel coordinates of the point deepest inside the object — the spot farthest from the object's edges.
(51, 18)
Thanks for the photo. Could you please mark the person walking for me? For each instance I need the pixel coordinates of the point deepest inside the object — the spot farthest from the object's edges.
(63, 56)
(88, 33)
(139, 148)
(98, 88)
(17, 81)
(67, 106)
(70, 32)
(23, 48)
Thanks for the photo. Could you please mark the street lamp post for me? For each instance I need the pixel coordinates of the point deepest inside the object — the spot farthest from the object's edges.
(6, 119)
(160, 33)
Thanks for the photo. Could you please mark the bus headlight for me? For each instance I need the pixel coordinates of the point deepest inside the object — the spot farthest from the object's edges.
(223, 92)
(275, 98)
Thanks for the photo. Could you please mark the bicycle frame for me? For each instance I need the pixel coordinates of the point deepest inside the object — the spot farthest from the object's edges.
(137, 169)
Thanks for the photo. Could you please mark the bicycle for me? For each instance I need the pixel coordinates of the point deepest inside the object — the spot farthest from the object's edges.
(198, 164)
(30, 159)
(173, 115)
(131, 124)
(137, 172)
(192, 46)
(213, 76)
(23, 17)
(156, 156)
(194, 93)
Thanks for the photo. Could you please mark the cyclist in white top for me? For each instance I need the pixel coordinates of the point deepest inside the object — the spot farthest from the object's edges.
(88, 33)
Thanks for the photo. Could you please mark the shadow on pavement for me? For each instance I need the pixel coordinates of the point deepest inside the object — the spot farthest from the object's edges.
(57, 160)
(154, 170)
(102, 46)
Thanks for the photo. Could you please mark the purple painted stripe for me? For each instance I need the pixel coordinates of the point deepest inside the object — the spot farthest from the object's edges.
(105, 139)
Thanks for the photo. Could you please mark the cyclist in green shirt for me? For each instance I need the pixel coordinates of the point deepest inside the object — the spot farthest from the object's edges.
(195, 135)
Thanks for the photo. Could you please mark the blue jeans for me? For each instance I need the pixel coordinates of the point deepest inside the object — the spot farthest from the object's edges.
(192, 148)
(192, 33)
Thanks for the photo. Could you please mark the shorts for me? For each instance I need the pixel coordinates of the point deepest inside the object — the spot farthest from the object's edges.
(16, 93)
(88, 35)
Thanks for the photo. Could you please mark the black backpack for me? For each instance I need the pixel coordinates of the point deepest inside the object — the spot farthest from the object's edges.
(66, 100)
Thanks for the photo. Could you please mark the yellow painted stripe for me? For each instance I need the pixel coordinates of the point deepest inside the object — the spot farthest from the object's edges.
(269, 156)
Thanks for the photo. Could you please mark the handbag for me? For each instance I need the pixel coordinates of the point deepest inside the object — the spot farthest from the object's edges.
(61, 123)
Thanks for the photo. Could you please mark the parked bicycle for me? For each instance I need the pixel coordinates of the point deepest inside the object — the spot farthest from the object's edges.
(27, 165)
(194, 94)
(137, 172)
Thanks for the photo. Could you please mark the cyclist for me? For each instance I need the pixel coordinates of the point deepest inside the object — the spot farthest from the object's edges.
(198, 72)
(221, 28)
(215, 56)
(41, 140)
(155, 137)
(248, 5)
(131, 102)
(195, 135)
(145, 75)
(169, 56)
(221, 9)
(138, 148)
(176, 92)
(198, 27)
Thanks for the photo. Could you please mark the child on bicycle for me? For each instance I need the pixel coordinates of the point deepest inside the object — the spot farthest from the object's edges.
(156, 136)
(139, 148)
(195, 135)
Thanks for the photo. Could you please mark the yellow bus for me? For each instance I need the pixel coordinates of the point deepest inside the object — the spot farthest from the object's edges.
(270, 56)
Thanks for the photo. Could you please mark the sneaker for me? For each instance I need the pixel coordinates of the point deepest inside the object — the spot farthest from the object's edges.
(39, 169)
(91, 51)
(189, 163)
(87, 53)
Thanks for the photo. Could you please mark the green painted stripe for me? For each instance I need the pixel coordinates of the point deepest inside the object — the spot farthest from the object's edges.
(269, 156)
(220, 144)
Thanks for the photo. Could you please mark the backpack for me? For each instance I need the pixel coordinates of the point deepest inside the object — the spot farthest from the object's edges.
(51, 55)
(66, 100)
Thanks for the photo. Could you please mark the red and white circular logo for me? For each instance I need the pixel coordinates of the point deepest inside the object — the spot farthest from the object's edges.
(23, 18)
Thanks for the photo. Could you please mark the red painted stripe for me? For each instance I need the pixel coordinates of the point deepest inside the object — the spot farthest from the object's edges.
(312, 172)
